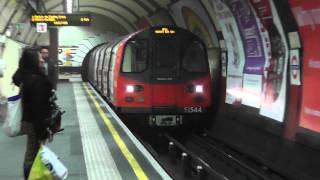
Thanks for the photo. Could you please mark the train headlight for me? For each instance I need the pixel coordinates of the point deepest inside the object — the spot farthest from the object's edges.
(130, 89)
(199, 88)
(134, 88)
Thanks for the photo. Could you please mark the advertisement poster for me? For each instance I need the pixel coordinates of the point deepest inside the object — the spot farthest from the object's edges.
(251, 92)
(191, 15)
(253, 45)
(250, 36)
(307, 15)
(67, 55)
(232, 38)
(234, 91)
(235, 52)
(275, 75)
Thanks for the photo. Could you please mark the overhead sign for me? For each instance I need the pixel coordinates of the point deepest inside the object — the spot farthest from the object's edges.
(62, 19)
(42, 27)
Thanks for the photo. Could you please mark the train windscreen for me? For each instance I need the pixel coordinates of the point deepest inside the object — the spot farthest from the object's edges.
(194, 57)
(135, 56)
(165, 57)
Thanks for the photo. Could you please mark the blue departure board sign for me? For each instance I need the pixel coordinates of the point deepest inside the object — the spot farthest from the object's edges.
(62, 19)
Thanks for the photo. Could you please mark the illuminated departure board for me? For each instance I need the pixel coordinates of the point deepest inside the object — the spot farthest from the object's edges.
(62, 19)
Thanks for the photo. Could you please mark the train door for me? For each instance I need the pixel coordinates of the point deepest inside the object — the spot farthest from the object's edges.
(100, 67)
(105, 76)
(96, 66)
(111, 72)
(165, 65)
(91, 66)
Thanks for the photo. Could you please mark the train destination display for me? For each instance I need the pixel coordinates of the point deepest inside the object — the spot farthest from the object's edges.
(62, 19)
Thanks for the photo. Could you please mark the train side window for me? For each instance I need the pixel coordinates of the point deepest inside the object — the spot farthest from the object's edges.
(194, 57)
(135, 56)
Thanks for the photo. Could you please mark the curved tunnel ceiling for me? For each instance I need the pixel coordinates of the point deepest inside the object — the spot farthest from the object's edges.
(111, 14)
(125, 12)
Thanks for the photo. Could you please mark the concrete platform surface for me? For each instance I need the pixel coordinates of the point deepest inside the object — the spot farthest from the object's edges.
(94, 145)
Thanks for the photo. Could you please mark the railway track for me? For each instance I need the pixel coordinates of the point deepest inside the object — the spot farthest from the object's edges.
(208, 162)
(257, 165)
(192, 165)
(190, 155)
(229, 162)
(201, 157)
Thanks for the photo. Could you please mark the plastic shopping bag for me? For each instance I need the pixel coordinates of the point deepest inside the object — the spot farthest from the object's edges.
(38, 170)
(12, 122)
(49, 167)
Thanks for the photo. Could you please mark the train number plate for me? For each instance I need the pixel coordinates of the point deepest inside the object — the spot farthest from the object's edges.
(165, 120)
(192, 109)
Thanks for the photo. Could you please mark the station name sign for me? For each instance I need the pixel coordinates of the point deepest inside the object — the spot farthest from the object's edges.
(62, 19)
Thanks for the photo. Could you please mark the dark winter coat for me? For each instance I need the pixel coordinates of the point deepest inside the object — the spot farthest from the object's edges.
(36, 94)
(51, 71)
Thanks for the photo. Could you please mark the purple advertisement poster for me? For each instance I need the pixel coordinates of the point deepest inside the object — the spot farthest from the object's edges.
(250, 35)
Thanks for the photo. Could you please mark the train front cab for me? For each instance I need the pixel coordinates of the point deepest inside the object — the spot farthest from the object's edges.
(164, 76)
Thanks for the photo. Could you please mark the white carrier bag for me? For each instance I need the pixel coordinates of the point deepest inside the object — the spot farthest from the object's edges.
(52, 162)
(12, 122)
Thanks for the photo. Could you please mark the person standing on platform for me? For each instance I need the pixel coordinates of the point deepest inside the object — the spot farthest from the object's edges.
(48, 65)
(36, 92)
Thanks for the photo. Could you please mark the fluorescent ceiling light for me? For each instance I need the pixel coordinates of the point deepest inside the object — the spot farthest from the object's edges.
(69, 4)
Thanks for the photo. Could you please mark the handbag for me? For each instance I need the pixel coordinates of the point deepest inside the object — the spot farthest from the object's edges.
(47, 166)
(55, 115)
(54, 120)
(12, 122)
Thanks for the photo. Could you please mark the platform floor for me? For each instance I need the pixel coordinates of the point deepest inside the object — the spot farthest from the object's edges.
(94, 145)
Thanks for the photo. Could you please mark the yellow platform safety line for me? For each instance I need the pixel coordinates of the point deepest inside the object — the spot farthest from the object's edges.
(125, 151)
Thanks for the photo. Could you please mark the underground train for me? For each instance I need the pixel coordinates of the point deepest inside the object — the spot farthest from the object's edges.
(160, 73)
